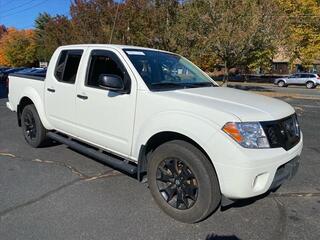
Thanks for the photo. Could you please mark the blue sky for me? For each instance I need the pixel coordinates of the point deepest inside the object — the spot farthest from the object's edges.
(22, 13)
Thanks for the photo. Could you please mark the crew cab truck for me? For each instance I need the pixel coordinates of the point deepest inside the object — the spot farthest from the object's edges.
(153, 113)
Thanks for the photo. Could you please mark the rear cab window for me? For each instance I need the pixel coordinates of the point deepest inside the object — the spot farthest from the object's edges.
(67, 66)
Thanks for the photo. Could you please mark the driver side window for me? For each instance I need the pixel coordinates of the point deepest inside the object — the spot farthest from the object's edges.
(103, 62)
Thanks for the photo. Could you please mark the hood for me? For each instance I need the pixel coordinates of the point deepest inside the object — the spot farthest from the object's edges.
(246, 106)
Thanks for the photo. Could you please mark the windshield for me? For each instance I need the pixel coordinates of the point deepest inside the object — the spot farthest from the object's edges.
(163, 71)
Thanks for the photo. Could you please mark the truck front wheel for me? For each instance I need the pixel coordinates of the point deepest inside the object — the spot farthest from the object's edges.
(183, 182)
(32, 128)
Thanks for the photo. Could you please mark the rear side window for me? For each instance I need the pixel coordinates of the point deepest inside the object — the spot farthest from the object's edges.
(311, 76)
(67, 66)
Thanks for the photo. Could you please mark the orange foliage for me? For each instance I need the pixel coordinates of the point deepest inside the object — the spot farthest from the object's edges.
(17, 48)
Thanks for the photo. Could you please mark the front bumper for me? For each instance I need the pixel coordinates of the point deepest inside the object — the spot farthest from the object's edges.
(245, 173)
(285, 172)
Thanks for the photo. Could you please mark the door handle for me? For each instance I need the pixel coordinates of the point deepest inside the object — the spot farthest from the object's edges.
(82, 97)
(51, 90)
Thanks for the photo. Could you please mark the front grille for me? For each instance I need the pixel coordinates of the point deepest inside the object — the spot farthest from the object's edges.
(283, 133)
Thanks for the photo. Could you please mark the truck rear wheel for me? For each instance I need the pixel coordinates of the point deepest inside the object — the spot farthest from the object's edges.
(183, 182)
(32, 128)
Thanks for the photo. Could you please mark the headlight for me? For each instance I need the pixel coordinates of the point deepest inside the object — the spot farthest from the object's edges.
(247, 134)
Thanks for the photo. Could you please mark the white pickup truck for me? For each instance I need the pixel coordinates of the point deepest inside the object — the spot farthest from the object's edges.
(156, 115)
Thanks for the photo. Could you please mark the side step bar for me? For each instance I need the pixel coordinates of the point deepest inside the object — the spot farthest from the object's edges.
(112, 161)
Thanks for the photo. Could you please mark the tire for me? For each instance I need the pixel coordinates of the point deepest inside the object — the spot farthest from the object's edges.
(281, 83)
(192, 177)
(310, 85)
(33, 130)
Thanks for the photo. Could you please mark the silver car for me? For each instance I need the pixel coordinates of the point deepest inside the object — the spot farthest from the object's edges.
(310, 80)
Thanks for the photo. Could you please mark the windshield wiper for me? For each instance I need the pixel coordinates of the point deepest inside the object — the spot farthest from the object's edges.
(183, 85)
(167, 84)
(201, 84)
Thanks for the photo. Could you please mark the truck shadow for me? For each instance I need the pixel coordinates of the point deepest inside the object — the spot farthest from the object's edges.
(246, 202)
(50, 143)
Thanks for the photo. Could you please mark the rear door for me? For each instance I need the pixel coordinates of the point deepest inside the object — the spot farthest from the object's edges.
(311, 77)
(60, 91)
(104, 117)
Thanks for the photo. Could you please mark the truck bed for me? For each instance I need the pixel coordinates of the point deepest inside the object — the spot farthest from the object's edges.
(23, 85)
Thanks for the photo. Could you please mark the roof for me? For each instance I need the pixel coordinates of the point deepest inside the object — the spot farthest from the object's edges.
(115, 46)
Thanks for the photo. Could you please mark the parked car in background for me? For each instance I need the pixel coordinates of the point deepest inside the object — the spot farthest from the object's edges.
(310, 80)
(3, 87)
(4, 79)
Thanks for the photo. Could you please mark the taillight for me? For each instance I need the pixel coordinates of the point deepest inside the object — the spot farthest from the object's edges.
(318, 77)
(7, 82)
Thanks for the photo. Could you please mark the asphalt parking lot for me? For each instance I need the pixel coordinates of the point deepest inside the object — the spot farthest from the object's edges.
(57, 193)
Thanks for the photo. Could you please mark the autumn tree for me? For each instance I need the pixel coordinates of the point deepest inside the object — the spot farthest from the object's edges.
(92, 20)
(234, 33)
(167, 14)
(134, 26)
(3, 30)
(303, 29)
(43, 52)
(52, 32)
(140, 22)
(18, 48)
(237, 32)
(3, 61)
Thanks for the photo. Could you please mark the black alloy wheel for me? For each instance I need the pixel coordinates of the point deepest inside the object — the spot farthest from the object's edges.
(182, 181)
(29, 126)
(32, 128)
(177, 183)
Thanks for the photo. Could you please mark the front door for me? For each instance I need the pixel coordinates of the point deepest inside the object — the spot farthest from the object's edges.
(105, 117)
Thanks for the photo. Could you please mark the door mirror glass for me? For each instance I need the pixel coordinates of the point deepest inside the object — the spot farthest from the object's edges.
(111, 82)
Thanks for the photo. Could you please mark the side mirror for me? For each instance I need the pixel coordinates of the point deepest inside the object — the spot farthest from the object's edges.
(111, 82)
